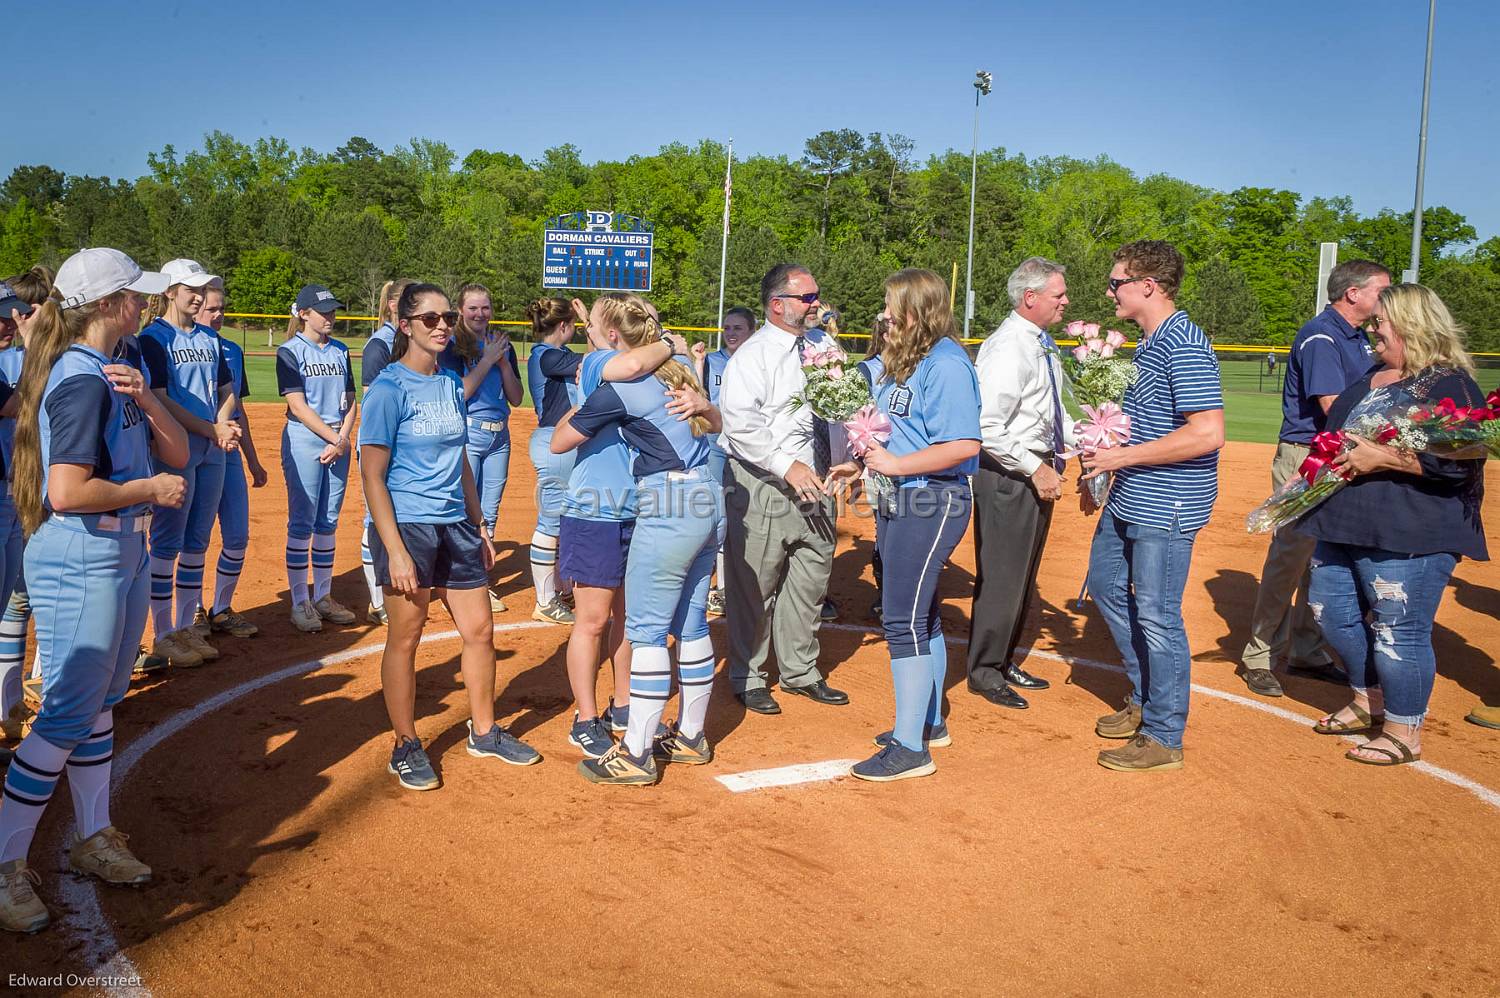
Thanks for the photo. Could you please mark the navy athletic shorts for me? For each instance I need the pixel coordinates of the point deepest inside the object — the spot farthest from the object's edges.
(593, 552)
(447, 555)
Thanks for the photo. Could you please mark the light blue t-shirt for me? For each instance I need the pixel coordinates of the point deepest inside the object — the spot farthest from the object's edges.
(602, 485)
(422, 420)
(83, 420)
(322, 374)
(938, 403)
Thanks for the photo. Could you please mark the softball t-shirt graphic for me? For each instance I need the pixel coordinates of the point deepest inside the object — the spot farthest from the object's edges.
(422, 420)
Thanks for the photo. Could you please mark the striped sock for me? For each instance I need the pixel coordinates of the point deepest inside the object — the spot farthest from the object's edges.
(323, 546)
(377, 594)
(161, 595)
(226, 577)
(544, 567)
(695, 674)
(650, 687)
(189, 587)
(13, 650)
(29, 783)
(296, 568)
(88, 776)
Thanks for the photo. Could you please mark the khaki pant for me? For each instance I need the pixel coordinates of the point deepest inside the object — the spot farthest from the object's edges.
(1282, 628)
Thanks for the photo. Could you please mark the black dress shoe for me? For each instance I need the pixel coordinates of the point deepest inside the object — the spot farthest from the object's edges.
(1002, 696)
(1025, 680)
(819, 692)
(1262, 682)
(1325, 671)
(760, 701)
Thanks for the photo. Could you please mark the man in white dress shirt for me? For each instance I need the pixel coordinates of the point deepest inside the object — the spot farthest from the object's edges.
(779, 510)
(1024, 428)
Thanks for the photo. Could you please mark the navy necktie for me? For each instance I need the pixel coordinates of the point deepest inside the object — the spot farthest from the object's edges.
(1049, 350)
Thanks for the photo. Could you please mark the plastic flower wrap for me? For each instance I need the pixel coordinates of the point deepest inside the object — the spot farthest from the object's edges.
(837, 393)
(1099, 380)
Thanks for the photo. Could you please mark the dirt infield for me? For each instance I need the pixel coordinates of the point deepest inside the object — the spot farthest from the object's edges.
(287, 861)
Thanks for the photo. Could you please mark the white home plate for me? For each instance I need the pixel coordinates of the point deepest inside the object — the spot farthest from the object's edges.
(787, 776)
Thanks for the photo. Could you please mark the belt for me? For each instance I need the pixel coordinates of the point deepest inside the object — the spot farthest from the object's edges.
(138, 523)
(697, 474)
(331, 424)
(486, 425)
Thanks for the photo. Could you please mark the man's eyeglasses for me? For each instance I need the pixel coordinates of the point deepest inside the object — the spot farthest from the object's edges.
(1373, 323)
(810, 298)
(431, 319)
(1116, 283)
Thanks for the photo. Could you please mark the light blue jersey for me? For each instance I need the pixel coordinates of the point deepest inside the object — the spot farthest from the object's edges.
(11, 360)
(322, 374)
(713, 373)
(638, 408)
(602, 485)
(377, 354)
(551, 373)
(188, 364)
(488, 401)
(83, 420)
(234, 359)
(939, 403)
(421, 419)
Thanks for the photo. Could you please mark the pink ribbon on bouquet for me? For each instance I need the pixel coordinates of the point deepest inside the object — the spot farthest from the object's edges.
(867, 427)
(1101, 428)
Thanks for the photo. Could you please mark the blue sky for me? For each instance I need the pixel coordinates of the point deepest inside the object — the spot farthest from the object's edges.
(1317, 96)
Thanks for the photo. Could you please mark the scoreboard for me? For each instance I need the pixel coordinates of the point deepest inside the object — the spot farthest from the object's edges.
(597, 251)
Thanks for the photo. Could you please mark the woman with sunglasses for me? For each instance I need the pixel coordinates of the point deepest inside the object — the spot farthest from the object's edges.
(429, 533)
(315, 377)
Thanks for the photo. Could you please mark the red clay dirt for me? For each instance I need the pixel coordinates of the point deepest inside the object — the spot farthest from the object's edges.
(288, 861)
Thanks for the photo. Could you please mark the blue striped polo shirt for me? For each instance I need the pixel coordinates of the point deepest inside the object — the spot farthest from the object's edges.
(1178, 374)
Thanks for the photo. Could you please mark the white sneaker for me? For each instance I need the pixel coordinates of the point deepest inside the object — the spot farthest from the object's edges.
(331, 609)
(305, 617)
(497, 605)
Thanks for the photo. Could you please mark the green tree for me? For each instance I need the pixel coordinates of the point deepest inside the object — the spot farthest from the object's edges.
(265, 281)
(24, 234)
(1220, 300)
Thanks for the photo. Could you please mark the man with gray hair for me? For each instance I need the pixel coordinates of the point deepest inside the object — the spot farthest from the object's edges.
(1025, 430)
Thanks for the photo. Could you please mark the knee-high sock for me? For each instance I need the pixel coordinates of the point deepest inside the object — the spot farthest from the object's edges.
(29, 782)
(913, 681)
(695, 676)
(162, 570)
(189, 586)
(296, 567)
(13, 650)
(937, 662)
(650, 686)
(226, 578)
(88, 776)
(323, 546)
(367, 563)
(544, 567)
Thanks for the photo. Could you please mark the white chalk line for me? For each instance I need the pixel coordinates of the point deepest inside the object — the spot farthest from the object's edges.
(101, 949)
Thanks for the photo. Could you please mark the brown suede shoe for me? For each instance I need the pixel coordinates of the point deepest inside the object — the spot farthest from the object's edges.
(1123, 723)
(1485, 717)
(1141, 755)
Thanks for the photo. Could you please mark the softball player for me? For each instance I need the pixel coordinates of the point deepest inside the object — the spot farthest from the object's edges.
(552, 373)
(678, 529)
(84, 487)
(189, 375)
(217, 613)
(13, 712)
(315, 377)
(872, 369)
(930, 393)
(376, 355)
(429, 532)
(737, 324)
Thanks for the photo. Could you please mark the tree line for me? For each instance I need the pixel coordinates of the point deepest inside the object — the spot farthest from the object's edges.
(853, 207)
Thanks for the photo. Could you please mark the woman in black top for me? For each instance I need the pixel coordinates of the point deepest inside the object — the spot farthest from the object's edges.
(1389, 540)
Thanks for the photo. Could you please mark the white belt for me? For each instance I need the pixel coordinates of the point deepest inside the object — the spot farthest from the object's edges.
(495, 427)
(692, 475)
(137, 524)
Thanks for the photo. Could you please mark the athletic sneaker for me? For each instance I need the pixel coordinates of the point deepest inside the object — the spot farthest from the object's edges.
(618, 718)
(104, 855)
(192, 639)
(177, 654)
(619, 767)
(331, 609)
(566, 599)
(894, 762)
(715, 603)
(377, 615)
(592, 736)
(201, 626)
(497, 605)
(306, 618)
(412, 767)
(553, 613)
(936, 736)
(677, 747)
(148, 663)
(20, 909)
(500, 744)
(231, 623)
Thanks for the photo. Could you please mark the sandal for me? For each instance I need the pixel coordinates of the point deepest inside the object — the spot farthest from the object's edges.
(1363, 722)
(1400, 757)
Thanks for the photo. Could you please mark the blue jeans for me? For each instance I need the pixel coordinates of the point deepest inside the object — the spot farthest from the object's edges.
(552, 472)
(488, 452)
(678, 529)
(1399, 595)
(1136, 576)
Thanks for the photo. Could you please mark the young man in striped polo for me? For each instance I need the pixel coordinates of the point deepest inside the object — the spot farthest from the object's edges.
(1165, 483)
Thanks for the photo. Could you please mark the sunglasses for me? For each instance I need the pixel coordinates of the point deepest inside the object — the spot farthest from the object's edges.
(810, 298)
(1116, 283)
(431, 319)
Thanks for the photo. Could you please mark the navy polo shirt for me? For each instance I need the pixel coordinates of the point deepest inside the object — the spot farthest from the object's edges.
(1328, 355)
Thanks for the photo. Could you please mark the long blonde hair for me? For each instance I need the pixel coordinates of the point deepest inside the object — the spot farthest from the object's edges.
(920, 316)
(1429, 333)
(390, 295)
(631, 316)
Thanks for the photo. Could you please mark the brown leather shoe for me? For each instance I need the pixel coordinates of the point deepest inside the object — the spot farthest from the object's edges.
(1141, 755)
(1485, 717)
(1123, 723)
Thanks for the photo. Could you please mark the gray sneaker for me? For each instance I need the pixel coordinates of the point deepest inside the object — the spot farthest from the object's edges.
(412, 767)
(618, 718)
(592, 736)
(497, 743)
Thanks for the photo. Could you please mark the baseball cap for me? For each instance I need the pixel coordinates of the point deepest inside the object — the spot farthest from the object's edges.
(96, 273)
(190, 273)
(317, 298)
(10, 302)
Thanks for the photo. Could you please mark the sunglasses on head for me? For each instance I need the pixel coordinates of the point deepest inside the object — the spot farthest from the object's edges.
(1116, 283)
(431, 319)
(808, 299)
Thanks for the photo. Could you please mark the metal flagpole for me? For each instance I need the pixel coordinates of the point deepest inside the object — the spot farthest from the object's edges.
(982, 81)
(1416, 216)
(724, 245)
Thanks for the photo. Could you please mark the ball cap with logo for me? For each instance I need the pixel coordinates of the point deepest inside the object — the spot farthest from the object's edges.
(92, 274)
(317, 298)
(11, 302)
(190, 273)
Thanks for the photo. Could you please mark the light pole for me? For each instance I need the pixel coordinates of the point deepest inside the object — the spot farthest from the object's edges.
(1416, 216)
(982, 82)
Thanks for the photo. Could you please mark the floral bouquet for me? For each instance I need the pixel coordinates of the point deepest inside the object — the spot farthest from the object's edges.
(837, 392)
(1445, 429)
(1099, 380)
